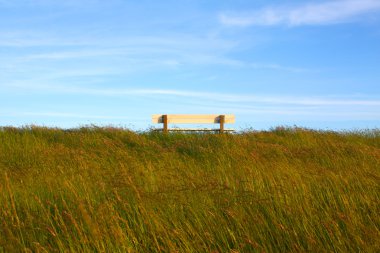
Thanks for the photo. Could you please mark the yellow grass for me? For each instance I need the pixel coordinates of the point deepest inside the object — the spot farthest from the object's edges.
(114, 190)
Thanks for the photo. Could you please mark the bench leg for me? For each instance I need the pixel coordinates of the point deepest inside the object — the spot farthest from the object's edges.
(222, 119)
(165, 119)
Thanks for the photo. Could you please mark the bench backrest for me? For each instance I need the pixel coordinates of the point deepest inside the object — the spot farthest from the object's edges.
(193, 118)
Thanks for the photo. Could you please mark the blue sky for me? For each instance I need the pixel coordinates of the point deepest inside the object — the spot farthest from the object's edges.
(69, 63)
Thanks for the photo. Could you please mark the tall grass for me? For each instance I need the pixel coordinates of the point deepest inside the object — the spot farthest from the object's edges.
(113, 190)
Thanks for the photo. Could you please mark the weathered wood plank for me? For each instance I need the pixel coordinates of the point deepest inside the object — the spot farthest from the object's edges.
(193, 118)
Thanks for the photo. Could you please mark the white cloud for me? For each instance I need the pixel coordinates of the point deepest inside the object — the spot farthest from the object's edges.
(69, 115)
(258, 107)
(273, 66)
(73, 3)
(330, 12)
(205, 96)
(132, 52)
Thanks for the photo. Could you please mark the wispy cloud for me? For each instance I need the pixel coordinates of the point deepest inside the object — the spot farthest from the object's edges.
(207, 96)
(274, 66)
(258, 110)
(132, 52)
(73, 3)
(70, 115)
(264, 107)
(329, 12)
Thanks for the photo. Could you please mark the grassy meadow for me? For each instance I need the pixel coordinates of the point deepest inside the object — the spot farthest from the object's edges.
(97, 189)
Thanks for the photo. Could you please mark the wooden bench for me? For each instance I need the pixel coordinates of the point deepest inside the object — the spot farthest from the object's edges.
(193, 119)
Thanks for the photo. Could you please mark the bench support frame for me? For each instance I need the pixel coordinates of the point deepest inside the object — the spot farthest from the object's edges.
(193, 119)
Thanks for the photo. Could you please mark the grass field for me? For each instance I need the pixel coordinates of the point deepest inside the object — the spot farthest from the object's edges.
(112, 190)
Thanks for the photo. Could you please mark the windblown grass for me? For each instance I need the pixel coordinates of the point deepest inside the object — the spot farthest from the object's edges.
(113, 190)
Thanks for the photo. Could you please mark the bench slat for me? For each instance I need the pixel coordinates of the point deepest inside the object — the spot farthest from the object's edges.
(192, 118)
